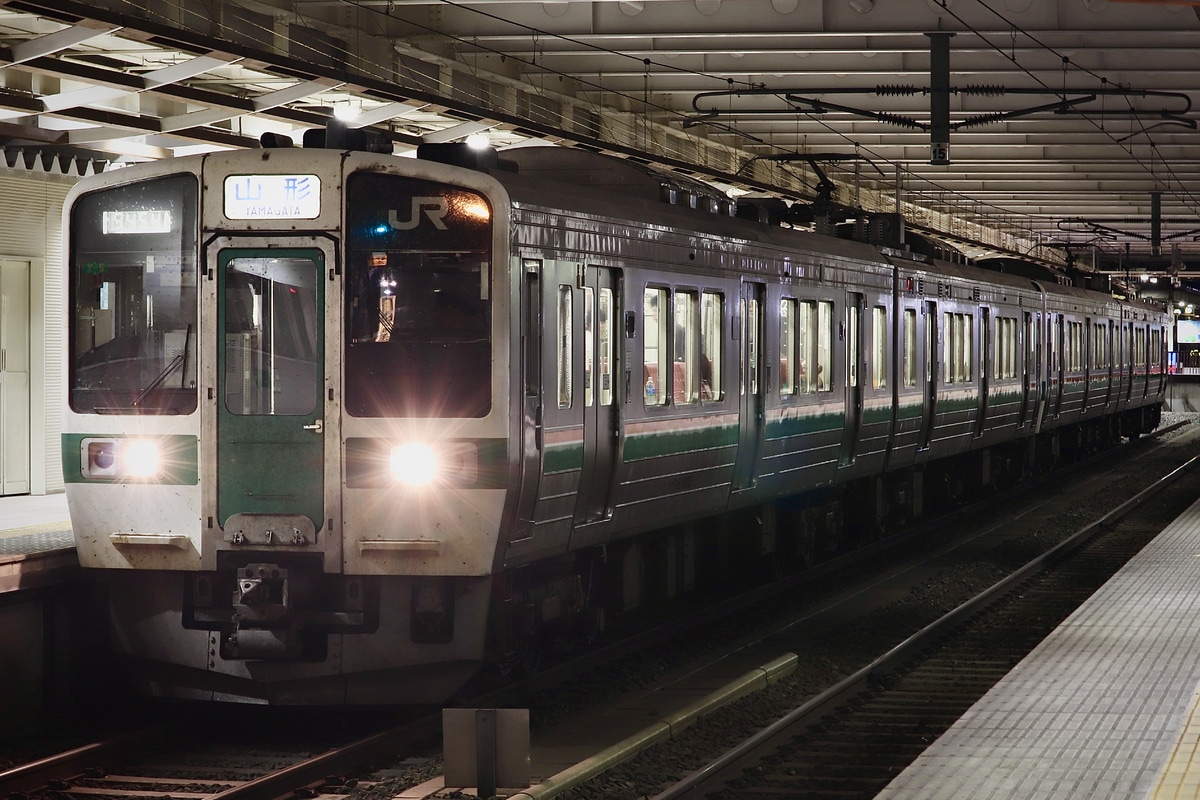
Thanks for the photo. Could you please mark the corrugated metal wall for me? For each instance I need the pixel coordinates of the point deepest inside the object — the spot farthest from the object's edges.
(31, 229)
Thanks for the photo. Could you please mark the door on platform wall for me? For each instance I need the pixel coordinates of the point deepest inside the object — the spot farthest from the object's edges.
(14, 377)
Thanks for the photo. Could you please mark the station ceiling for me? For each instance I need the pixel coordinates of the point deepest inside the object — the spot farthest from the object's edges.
(1029, 127)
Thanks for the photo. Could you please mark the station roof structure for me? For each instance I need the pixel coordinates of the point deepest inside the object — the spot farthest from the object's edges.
(1049, 129)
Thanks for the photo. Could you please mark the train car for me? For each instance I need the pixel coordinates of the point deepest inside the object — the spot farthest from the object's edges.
(342, 427)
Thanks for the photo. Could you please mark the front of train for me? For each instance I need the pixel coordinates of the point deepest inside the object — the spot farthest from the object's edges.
(285, 436)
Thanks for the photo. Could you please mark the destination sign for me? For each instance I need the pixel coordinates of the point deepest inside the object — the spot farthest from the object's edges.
(272, 197)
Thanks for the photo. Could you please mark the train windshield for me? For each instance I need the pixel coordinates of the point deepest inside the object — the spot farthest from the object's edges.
(132, 299)
(418, 265)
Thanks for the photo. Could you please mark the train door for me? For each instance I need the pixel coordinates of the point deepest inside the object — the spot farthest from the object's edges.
(270, 392)
(753, 385)
(1054, 336)
(1127, 360)
(855, 305)
(1088, 355)
(597, 330)
(1028, 367)
(986, 362)
(532, 331)
(1111, 356)
(931, 373)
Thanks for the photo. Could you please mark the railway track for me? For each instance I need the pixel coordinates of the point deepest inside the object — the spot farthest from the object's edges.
(554, 692)
(851, 740)
(239, 755)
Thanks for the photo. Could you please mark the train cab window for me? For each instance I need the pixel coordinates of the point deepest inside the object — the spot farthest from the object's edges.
(685, 370)
(712, 323)
(654, 347)
(787, 358)
(418, 299)
(564, 340)
(879, 348)
(909, 365)
(132, 298)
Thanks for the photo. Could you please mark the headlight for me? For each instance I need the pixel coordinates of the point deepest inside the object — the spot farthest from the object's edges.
(414, 464)
(447, 463)
(120, 458)
(140, 458)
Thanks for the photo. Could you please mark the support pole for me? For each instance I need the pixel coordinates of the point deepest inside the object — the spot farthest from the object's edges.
(939, 97)
(485, 751)
(1156, 223)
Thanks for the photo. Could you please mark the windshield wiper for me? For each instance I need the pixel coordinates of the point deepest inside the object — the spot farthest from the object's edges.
(179, 360)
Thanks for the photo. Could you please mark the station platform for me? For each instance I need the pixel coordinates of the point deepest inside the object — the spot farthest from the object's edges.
(34, 524)
(1107, 706)
(36, 545)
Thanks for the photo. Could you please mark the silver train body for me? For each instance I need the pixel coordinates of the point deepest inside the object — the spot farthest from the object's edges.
(342, 427)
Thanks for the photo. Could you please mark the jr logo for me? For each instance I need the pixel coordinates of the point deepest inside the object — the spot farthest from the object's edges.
(433, 207)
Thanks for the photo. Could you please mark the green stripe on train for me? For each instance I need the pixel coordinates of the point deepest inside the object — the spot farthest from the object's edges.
(178, 458)
(656, 444)
(563, 457)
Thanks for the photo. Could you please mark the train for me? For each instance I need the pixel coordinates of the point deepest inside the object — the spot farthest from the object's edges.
(344, 427)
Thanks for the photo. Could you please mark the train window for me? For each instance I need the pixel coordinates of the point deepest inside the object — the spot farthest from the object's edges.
(909, 367)
(712, 319)
(564, 346)
(418, 299)
(879, 349)
(132, 304)
(787, 359)
(823, 377)
(1099, 347)
(589, 357)
(749, 353)
(1139, 347)
(956, 357)
(271, 332)
(853, 348)
(654, 347)
(1074, 354)
(1006, 348)
(684, 381)
(806, 347)
(605, 343)
(1031, 345)
(1054, 325)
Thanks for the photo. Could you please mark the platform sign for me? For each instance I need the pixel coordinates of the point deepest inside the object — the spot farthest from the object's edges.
(272, 197)
(485, 748)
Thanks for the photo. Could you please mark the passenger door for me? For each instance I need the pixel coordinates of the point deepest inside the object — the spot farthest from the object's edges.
(855, 307)
(753, 384)
(932, 329)
(270, 392)
(598, 327)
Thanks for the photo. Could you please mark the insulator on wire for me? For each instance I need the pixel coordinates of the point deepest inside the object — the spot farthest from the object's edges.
(992, 90)
(894, 119)
(896, 89)
(982, 119)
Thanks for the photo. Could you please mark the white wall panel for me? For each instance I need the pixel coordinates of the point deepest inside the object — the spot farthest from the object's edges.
(31, 230)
